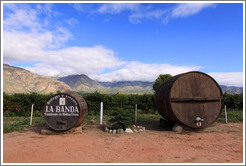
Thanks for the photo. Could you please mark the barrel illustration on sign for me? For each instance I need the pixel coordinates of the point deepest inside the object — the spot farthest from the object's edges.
(64, 111)
(193, 99)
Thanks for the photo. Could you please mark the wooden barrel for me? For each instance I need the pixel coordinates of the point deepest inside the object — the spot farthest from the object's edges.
(193, 99)
(64, 111)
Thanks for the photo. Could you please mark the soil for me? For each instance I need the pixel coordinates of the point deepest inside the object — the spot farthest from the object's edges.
(219, 143)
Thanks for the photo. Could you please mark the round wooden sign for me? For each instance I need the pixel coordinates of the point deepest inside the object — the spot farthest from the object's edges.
(64, 111)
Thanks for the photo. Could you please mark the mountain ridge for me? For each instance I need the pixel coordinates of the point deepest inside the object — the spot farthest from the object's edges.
(20, 80)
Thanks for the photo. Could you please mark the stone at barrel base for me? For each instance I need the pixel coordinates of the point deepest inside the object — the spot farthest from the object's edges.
(110, 131)
(177, 128)
(106, 129)
(135, 130)
(114, 131)
(140, 130)
(128, 130)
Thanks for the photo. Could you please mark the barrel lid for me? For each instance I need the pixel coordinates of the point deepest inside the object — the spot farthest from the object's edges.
(196, 99)
(61, 112)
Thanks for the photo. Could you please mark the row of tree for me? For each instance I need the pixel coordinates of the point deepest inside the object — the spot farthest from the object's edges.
(20, 104)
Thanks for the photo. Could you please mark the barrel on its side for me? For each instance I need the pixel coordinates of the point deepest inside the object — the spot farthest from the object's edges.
(193, 99)
(64, 111)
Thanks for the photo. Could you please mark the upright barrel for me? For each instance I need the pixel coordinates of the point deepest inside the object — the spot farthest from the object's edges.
(193, 99)
(64, 111)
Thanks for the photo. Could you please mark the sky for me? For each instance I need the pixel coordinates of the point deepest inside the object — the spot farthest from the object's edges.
(125, 41)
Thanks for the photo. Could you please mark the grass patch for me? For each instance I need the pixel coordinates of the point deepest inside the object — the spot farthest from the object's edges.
(233, 115)
(11, 124)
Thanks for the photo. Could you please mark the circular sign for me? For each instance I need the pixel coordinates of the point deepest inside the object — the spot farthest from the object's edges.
(61, 112)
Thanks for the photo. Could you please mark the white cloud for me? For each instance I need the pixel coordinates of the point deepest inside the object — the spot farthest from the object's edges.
(137, 71)
(154, 14)
(188, 9)
(116, 8)
(72, 22)
(229, 78)
(76, 60)
(21, 46)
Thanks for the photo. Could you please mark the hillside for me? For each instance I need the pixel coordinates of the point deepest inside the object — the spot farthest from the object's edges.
(19, 80)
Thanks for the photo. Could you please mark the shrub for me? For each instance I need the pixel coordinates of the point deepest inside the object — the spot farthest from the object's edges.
(121, 118)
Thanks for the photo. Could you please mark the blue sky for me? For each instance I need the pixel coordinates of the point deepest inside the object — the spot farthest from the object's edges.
(125, 41)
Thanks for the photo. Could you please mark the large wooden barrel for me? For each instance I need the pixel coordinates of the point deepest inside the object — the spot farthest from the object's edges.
(193, 99)
(64, 111)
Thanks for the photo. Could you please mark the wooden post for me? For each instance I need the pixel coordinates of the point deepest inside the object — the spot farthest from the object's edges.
(31, 115)
(136, 112)
(101, 113)
(225, 114)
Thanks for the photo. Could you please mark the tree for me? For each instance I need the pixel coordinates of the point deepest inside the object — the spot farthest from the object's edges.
(162, 78)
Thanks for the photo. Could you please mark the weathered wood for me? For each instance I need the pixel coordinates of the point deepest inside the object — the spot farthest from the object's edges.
(193, 99)
(64, 111)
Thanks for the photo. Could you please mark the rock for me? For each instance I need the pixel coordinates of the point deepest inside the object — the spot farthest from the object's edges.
(114, 131)
(46, 132)
(106, 129)
(110, 131)
(135, 130)
(140, 130)
(177, 128)
(128, 130)
(137, 127)
(143, 128)
(134, 126)
(119, 130)
(76, 130)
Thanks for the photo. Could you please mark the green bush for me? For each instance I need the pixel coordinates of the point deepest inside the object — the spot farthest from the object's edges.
(121, 118)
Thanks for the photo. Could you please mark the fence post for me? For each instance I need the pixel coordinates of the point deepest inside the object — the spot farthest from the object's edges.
(225, 114)
(101, 113)
(136, 112)
(31, 115)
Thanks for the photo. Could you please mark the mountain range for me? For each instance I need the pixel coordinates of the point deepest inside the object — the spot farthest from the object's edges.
(19, 80)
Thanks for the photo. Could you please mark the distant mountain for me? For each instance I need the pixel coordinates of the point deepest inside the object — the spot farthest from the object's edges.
(231, 89)
(81, 83)
(19, 80)
(122, 84)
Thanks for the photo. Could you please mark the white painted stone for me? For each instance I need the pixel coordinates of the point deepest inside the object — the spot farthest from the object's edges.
(177, 128)
(128, 130)
(114, 131)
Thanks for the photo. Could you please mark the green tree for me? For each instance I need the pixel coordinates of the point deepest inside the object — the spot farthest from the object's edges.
(121, 118)
(162, 78)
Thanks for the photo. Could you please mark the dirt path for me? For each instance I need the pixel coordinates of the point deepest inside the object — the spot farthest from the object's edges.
(220, 143)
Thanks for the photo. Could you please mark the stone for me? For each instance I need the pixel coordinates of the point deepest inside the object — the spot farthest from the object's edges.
(143, 128)
(134, 126)
(135, 130)
(114, 131)
(110, 131)
(137, 127)
(128, 130)
(106, 129)
(76, 130)
(47, 132)
(140, 130)
(177, 128)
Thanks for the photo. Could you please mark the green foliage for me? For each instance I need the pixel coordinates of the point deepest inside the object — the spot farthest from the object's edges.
(121, 118)
(233, 101)
(162, 78)
(233, 115)
(20, 123)
(20, 104)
